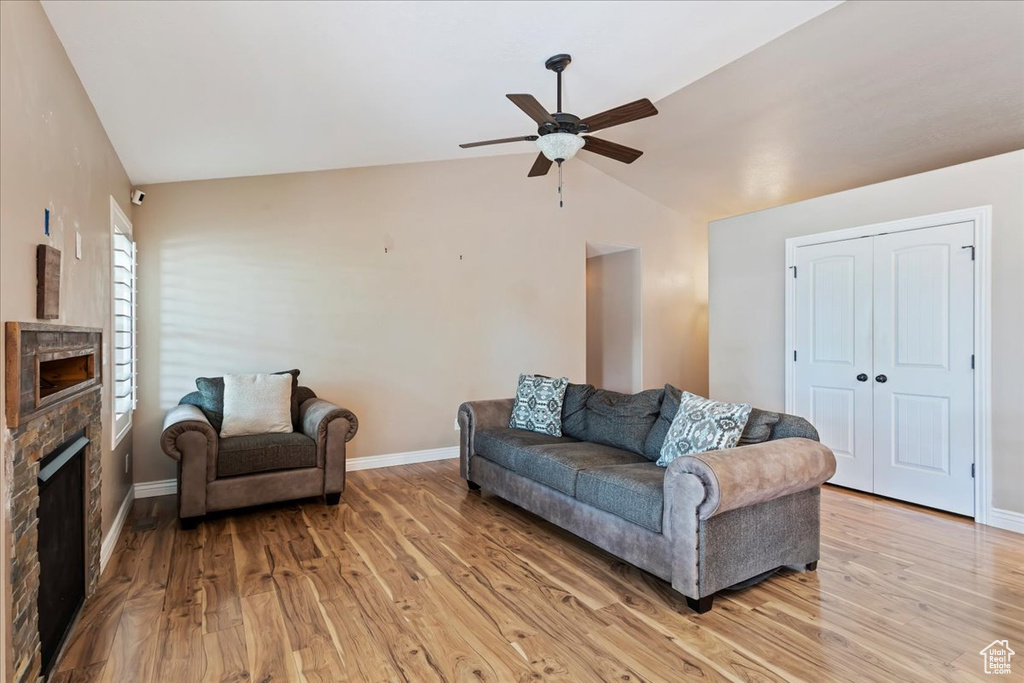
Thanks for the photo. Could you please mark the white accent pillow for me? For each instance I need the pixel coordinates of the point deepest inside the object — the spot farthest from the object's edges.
(257, 404)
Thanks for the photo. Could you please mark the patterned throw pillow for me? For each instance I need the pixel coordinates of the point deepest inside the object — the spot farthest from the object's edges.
(538, 404)
(702, 425)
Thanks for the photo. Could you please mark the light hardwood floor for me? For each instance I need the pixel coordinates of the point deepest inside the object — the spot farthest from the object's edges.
(413, 578)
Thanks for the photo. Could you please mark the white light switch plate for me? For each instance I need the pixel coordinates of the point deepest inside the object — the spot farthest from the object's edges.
(456, 424)
(78, 244)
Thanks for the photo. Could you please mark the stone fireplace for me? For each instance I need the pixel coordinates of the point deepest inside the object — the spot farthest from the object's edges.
(53, 391)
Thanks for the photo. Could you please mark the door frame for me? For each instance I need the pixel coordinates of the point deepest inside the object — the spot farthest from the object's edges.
(981, 216)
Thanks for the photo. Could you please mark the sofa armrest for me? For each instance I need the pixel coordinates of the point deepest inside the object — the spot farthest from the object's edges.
(475, 415)
(189, 438)
(739, 477)
(331, 427)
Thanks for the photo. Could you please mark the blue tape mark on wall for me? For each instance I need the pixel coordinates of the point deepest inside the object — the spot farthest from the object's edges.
(46, 221)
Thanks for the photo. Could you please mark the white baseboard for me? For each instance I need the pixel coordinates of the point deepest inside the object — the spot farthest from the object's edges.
(372, 462)
(1006, 519)
(114, 533)
(152, 489)
(166, 487)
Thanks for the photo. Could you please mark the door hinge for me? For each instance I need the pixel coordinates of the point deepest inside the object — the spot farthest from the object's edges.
(794, 270)
(794, 355)
(971, 247)
(972, 361)
(972, 470)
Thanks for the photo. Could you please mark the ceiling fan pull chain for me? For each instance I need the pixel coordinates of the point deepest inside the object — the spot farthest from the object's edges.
(560, 205)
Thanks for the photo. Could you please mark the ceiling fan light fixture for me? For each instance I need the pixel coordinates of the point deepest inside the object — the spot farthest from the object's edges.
(560, 146)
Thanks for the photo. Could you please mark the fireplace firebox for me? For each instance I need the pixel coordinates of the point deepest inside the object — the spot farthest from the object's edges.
(61, 543)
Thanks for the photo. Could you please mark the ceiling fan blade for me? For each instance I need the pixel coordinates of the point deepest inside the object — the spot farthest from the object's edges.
(522, 138)
(534, 109)
(612, 150)
(540, 166)
(633, 111)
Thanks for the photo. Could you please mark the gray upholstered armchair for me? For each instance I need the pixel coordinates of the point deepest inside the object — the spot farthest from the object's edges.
(217, 473)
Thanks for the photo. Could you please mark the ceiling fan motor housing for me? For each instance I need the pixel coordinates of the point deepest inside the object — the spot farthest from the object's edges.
(564, 123)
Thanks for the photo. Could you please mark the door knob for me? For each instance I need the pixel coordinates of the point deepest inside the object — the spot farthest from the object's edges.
(862, 377)
(881, 379)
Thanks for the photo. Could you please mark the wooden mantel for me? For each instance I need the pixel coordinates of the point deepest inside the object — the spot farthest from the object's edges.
(30, 344)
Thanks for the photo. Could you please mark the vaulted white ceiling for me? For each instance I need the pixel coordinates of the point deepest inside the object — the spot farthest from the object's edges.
(191, 90)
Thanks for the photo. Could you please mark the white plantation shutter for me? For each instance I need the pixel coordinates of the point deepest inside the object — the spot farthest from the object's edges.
(124, 327)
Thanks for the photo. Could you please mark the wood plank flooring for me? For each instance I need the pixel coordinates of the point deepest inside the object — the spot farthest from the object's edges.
(412, 578)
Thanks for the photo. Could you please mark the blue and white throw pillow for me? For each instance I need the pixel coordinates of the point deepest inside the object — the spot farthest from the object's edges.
(538, 404)
(702, 425)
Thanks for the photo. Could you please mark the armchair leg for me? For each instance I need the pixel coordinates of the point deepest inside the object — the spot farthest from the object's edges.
(472, 485)
(333, 498)
(812, 566)
(189, 523)
(700, 605)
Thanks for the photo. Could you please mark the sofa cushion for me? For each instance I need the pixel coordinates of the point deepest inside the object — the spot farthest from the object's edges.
(264, 452)
(622, 420)
(574, 410)
(502, 445)
(557, 465)
(790, 426)
(759, 427)
(538, 404)
(656, 436)
(634, 492)
(211, 398)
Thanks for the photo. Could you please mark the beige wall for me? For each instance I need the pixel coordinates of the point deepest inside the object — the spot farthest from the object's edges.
(484, 277)
(747, 307)
(614, 338)
(55, 155)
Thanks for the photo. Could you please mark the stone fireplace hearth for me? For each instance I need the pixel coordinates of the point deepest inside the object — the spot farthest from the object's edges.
(43, 424)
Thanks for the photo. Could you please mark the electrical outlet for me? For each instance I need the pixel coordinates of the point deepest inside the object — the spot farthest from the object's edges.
(127, 457)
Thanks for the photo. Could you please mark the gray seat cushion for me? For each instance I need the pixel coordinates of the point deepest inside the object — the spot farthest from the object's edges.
(557, 465)
(238, 455)
(634, 492)
(502, 445)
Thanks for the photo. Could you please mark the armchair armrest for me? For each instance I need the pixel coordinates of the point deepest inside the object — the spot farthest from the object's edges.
(739, 477)
(475, 415)
(316, 414)
(181, 419)
(331, 427)
(189, 438)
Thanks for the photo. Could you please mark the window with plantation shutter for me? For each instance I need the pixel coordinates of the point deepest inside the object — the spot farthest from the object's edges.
(124, 322)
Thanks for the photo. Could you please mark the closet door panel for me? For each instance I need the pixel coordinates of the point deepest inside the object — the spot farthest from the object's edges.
(833, 345)
(923, 380)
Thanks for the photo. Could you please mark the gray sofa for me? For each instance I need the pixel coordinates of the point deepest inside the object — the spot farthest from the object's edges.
(217, 473)
(705, 523)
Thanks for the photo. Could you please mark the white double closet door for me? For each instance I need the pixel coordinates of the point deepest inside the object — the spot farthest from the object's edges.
(884, 361)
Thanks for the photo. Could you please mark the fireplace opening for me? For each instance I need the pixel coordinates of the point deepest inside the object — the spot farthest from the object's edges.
(58, 374)
(61, 540)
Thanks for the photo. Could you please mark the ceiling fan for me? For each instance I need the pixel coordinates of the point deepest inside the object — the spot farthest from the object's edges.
(560, 134)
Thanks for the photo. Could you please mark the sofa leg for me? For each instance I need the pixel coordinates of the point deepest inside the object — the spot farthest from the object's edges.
(812, 566)
(189, 523)
(472, 485)
(333, 498)
(700, 605)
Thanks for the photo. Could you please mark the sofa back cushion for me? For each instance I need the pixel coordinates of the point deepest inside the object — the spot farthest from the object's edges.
(622, 420)
(574, 410)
